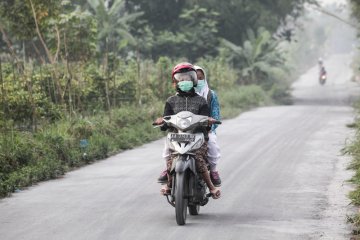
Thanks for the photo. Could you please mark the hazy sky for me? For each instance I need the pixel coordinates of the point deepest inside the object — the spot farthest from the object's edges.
(332, 1)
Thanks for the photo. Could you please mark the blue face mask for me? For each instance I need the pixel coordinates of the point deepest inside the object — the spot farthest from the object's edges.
(200, 85)
(186, 86)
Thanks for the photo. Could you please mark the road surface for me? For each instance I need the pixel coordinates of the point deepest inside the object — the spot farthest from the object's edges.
(283, 178)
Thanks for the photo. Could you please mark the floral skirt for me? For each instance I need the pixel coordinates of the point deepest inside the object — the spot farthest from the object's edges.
(200, 159)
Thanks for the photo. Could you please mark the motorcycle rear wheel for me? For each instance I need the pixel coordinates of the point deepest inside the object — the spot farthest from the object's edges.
(181, 201)
(194, 209)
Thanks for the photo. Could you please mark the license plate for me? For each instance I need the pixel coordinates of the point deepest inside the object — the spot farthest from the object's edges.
(182, 138)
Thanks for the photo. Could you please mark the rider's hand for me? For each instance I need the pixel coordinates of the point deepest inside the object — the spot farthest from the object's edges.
(211, 121)
(159, 121)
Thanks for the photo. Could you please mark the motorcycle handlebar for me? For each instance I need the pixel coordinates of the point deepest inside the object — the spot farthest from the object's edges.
(156, 124)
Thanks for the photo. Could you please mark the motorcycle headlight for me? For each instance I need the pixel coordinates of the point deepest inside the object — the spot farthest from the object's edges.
(184, 123)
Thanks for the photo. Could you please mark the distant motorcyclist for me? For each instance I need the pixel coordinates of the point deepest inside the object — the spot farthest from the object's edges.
(322, 73)
(321, 67)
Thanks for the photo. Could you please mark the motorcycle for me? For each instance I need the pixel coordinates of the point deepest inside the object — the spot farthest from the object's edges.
(323, 75)
(322, 78)
(188, 189)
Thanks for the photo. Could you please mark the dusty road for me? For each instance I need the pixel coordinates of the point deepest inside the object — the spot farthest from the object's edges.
(283, 178)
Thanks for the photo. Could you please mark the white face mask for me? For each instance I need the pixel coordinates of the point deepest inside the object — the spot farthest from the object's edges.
(200, 85)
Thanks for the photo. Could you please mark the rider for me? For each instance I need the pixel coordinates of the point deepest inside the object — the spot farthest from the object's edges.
(322, 71)
(184, 79)
(322, 67)
(203, 90)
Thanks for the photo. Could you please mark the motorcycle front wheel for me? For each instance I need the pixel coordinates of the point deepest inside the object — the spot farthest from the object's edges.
(181, 200)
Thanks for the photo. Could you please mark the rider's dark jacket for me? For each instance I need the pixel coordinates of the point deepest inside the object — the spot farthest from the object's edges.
(186, 101)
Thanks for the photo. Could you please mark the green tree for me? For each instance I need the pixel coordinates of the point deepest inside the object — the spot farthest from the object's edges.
(259, 58)
(78, 34)
(161, 15)
(200, 30)
(112, 23)
(195, 37)
(235, 17)
(112, 19)
(17, 16)
(24, 21)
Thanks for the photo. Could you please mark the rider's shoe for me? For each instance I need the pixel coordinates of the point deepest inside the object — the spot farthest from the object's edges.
(163, 177)
(215, 178)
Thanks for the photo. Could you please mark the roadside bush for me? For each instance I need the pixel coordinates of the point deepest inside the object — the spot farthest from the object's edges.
(27, 158)
(16, 150)
(99, 147)
(240, 99)
(44, 169)
(280, 94)
(81, 128)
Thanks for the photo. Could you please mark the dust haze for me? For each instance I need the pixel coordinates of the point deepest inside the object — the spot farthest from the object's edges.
(325, 32)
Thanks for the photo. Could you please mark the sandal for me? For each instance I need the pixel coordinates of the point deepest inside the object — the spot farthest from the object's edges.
(215, 193)
(165, 190)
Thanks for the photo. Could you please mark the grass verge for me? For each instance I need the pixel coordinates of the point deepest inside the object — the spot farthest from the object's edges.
(353, 149)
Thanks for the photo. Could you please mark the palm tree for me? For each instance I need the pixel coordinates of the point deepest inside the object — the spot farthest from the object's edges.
(259, 59)
(113, 29)
(112, 20)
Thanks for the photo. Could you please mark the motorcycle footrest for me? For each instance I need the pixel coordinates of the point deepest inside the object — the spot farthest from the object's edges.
(170, 202)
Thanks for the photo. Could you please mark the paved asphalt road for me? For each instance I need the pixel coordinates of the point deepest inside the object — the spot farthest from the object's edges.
(283, 178)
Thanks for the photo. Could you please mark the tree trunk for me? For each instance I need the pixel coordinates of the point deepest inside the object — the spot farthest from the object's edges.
(69, 76)
(139, 92)
(38, 53)
(106, 73)
(32, 102)
(14, 76)
(2, 90)
(114, 89)
(24, 52)
(51, 58)
(8, 43)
